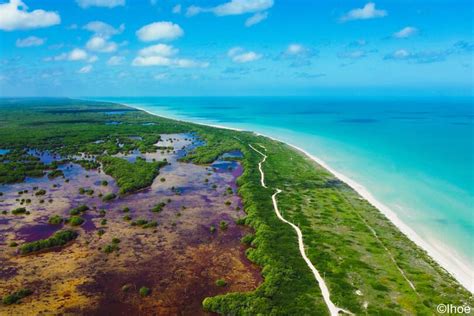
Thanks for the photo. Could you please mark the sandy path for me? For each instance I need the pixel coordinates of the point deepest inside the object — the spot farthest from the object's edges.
(333, 309)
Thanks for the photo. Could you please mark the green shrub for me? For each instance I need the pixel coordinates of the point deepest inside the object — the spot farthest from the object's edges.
(55, 220)
(55, 173)
(17, 296)
(59, 238)
(40, 192)
(75, 221)
(19, 211)
(221, 282)
(111, 248)
(158, 207)
(223, 225)
(109, 197)
(144, 291)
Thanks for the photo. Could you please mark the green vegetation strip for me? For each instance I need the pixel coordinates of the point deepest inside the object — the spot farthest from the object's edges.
(59, 238)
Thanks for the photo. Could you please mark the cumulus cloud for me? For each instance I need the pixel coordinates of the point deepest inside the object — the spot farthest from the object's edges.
(233, 7)
(86, 69)
(100, 3)
(30, 41)
(102, 29)
(116, 60)
(240, 55)
(93, 59)
(367, 12)
(256, 18)
(14, 15)
(159, 31)
(165, 56)
(77, 54)
(74, 55)
(159, 50)
(100, 44)
(405, 32)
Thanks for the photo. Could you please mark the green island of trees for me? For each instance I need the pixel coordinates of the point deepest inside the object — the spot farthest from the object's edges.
(59, 238)
(131, 176)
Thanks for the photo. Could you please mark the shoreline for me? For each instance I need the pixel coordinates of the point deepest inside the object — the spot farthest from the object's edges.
(458, 270)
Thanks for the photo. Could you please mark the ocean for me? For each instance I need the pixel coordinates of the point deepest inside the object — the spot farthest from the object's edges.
(415, 155)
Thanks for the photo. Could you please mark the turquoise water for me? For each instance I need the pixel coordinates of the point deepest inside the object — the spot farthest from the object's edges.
(414, 155)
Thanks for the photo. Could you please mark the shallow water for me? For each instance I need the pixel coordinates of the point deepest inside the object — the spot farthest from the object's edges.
(416, 155)
(180, 259)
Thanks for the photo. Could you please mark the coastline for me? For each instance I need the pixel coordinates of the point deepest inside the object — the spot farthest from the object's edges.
(454, 267)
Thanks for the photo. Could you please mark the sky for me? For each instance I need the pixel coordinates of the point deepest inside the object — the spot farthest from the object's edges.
(236, 47)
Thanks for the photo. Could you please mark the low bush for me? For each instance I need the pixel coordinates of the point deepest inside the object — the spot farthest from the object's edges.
(59, 238)
(16, 297)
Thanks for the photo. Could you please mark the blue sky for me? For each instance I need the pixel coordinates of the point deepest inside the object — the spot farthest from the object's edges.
(235, 47)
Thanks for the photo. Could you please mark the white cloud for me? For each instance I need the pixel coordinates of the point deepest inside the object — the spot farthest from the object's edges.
(74, 55)
(177, 9)
(367, 12)
(77, 54)
(30, 41)
(14, 15)
(165, 56)
(399, 54)
(406, 32)
(93, 59)
(295, 49)
(256, 18)
(99, 44)
(159, 49)
(233, 7)
(159, 31)
(239, 55)
(100, 3)
(102, 29)
(115, 60)
(86, 69)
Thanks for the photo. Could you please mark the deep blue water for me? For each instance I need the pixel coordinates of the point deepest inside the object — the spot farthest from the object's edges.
(416, 155)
